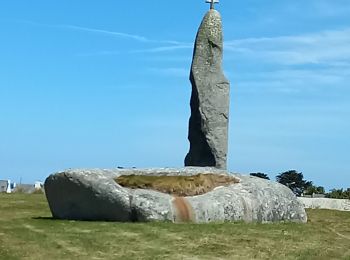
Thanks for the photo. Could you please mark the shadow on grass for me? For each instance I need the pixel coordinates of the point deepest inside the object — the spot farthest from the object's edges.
(83, 220)
(44, 218)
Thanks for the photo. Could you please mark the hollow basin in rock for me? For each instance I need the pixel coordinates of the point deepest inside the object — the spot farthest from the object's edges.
(94, 195)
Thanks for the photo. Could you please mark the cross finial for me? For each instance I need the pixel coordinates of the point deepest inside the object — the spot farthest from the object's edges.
(212, 3)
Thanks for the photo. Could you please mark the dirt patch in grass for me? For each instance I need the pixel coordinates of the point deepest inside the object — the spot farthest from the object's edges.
(181, 186)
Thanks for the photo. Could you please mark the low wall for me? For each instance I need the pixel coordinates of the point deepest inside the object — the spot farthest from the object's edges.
(324, 203)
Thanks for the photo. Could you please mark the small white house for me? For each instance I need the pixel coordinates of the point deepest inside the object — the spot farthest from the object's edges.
(38, 185)
(7, 186)
(3, 186)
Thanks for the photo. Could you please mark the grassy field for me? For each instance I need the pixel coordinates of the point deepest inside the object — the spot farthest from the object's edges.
(28, 232)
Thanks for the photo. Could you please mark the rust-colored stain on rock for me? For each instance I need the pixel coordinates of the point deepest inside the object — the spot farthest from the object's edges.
(183, 210)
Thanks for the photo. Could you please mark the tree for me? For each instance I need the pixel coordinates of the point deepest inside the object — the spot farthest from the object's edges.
(314, 190)
(260, 175)
(294, 180)
(339, 194)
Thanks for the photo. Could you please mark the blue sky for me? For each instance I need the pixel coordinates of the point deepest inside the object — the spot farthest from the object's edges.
(105, 84)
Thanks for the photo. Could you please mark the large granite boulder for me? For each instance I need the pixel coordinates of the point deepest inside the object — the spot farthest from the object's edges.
(208, 126)
(95, 195)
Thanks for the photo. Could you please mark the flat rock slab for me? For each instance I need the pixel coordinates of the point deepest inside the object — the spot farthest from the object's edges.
(84, 194)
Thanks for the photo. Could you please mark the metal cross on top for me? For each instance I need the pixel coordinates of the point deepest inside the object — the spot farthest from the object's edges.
(212, 3)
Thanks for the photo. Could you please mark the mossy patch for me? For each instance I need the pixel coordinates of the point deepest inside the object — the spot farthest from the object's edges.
(177, 185)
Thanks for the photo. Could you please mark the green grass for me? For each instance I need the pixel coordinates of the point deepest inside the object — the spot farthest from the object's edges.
(28, 232)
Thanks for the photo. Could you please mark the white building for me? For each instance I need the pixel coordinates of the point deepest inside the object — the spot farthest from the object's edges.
(38, 185)
(7, 186)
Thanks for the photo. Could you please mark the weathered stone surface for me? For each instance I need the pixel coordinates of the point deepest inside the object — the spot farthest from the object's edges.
(208, 126)
(94, 195)
(87, 195)
(325, 203)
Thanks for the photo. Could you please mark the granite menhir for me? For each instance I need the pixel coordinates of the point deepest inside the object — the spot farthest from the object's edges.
(208, 126)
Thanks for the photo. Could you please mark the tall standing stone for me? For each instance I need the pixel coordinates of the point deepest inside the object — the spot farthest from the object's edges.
(208, 126)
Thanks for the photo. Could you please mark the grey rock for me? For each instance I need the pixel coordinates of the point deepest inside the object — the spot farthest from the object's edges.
(94, 195)
(87, 195)
(208, 126)
(252, 200)
(326, 203)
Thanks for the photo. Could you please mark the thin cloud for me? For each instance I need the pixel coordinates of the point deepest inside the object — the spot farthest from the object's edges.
(323, 47)
(119, 34)
(317, 48)
(326, 56)
(135, 37)
(111, 33)
(172, 72)
(294, 81)
(164, 48)
(150, 50)
(308, 63)
(99, 53)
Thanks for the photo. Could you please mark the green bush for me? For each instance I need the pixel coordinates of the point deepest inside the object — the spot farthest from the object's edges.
(339, 194)
(18, 190)
(38, 191)
(314, 190)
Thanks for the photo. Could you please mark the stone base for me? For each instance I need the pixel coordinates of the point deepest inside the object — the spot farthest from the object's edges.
(94, 195)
